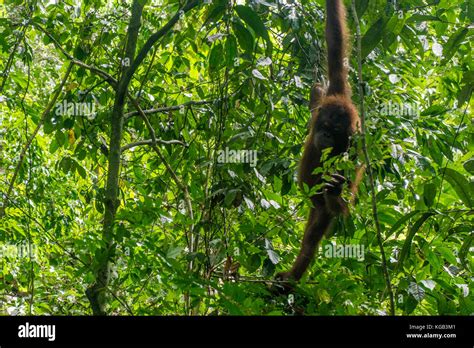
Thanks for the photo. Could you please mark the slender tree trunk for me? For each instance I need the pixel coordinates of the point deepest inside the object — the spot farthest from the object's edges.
(96, 293)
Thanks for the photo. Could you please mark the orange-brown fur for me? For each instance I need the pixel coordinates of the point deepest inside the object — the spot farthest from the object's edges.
(334, 120)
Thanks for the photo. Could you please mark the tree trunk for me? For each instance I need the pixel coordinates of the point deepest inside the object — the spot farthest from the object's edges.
(96, 293)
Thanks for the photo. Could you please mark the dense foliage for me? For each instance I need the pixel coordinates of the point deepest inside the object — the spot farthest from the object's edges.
(197, 234)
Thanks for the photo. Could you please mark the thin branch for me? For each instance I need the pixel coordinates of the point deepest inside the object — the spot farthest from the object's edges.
(155, 37)
(144, 80)
(11, 59)
(151, 142)
(33, 135)
(181, 186)
(106, 76)
(458, 129)
(238, 279)
(424, 6)
(171, 108)
(367, 161)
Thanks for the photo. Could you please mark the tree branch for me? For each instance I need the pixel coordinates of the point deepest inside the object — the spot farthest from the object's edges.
(367, 161)
(106, 76)
(151, 142)
(11, 59)
(170, 108)
(155, 37)
(181, 186)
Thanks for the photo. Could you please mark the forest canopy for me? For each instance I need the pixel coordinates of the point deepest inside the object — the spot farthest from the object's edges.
(149, 154)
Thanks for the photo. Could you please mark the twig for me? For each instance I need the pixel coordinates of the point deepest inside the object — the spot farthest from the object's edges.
(367, 161)
(155, 37)
(151, 142)
(259, 280)
(144, 80)
(106, 76)
(178, 182)
(458, 129)
(10, 59)
(170, 108)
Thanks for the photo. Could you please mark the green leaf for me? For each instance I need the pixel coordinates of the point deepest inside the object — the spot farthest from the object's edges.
(372, 37)
(81, 170)
(470, 10)
(244, 36)
(463, 252)
(433, 259)
(229, 197)
(410, 304)
(407, 245)
(435, 151)
(138, 172)
(429, 194)
(173, 252)
(463, 188)
(268, 268)
(361, 7)
(253, 262)
(453, 43)
(53, 146)
(447, 254)
(464, 94)
(68, 123)
(469, 166)
(215, 14)
(230, 50)
(66, 164)
(253, 20)
(402, 221)
(286, 185)
(434, 110)
(411, 39)
(60, 138)
(215, 57)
